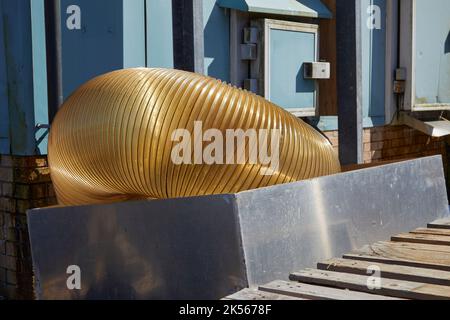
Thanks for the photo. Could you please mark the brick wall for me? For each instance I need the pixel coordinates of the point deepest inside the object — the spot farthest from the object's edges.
(391, 143)
(24, 184)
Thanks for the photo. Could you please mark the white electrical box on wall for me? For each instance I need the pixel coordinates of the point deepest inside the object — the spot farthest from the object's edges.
(316, 70)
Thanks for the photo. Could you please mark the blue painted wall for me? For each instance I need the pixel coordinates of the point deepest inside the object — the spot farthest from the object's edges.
(159, 34)
(114, 35)
(5, 147)
(288, 88)
(16, 85)
(373, 64)
(216, 22)
(134, 33)
(97, 47)
(373, 51)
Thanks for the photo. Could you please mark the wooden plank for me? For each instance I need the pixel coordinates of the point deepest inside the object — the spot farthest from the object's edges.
(422, 238)
(251, 294)
(418, 246)
(440, 224)
(437, 232)
(388, 287)
(405, 254)
(387, 271)
(307, 291)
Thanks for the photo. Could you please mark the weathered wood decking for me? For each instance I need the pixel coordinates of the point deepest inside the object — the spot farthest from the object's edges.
(414, 265)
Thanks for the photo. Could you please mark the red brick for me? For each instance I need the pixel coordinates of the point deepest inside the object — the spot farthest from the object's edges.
(374, 146)
(23, 206)
(6, 161)
(6, 174)
(39, 191)
(331, 134)
(2, 247)
(10, 249)
(11, 234)
(8, 205)
(11, 277)
(31, 175)
(372, 155)
(377, 136)
(7, 190)
(366, 136)
(21, 191)
(8, 263)
(7, 220)
(51, 191)
(10, 291)
(29, 162)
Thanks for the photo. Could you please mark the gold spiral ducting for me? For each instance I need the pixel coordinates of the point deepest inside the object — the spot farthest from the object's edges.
(111, 141)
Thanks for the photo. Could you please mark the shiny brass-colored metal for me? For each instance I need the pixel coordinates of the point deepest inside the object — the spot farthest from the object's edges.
(112, 139)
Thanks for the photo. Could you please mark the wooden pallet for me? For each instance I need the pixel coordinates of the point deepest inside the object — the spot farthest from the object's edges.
(414, 265)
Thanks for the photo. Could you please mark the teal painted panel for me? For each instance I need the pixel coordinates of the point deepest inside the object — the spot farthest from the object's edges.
(216, 22)
(4, 112)
(97, 47)
(134, 33)
(4, 146)
(159, 34)
(17, 43)
(288, 88)
(39, 73)
(373, 60)
(432, 51)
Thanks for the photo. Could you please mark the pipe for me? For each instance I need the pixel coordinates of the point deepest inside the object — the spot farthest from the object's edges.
(113, 139)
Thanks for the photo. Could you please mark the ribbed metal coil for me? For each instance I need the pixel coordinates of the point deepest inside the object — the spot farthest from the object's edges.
(111, 140)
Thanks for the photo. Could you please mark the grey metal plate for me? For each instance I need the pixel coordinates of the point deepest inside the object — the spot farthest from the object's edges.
(139, 250)
(294, 226)
(210, 247)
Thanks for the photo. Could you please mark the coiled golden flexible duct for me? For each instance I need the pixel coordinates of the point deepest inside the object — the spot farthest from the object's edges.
(111, 141)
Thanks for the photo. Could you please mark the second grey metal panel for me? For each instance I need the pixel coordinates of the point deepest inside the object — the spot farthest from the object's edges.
(293, 226)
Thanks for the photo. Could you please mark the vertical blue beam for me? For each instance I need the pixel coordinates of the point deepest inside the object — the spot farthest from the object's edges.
(188, 35)
(159, 33)
(19, 70)
(349, 81)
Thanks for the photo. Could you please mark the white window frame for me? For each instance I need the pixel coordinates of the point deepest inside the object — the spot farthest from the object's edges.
(264, 54)
(408, 59)
(290, 26)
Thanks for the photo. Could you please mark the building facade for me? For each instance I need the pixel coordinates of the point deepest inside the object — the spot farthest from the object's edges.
(373, 75)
